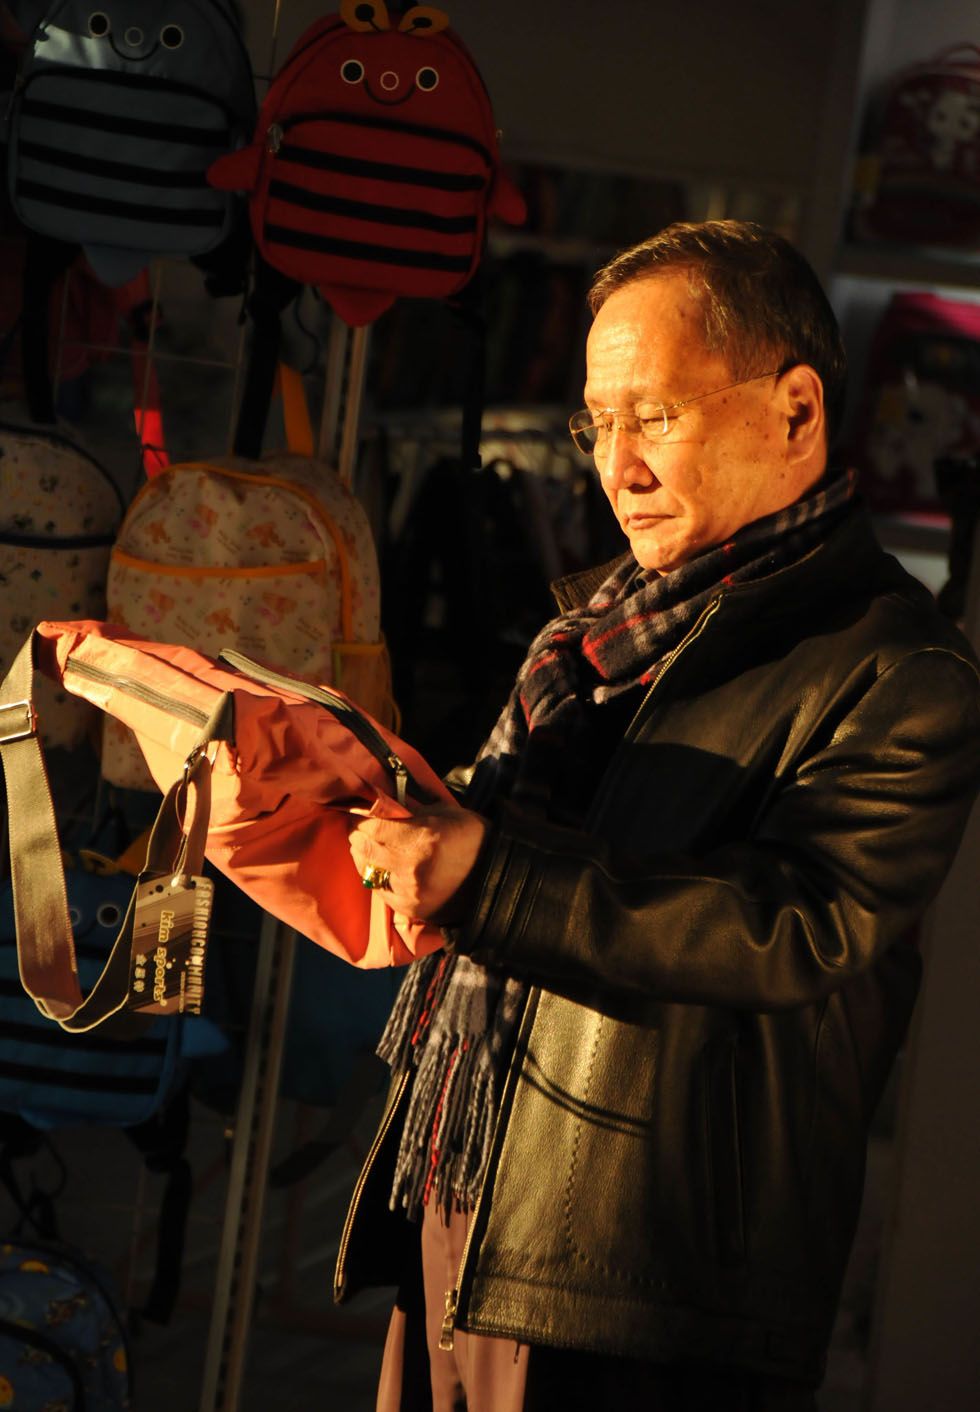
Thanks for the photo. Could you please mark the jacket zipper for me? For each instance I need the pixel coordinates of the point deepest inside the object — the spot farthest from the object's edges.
(451, 1311)
(448, 1330)
(665, 665)
(345, 712)
(340, 1277)
(139, 691)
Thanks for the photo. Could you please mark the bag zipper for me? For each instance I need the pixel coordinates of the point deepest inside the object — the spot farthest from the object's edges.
(139, 691)
(344, 710)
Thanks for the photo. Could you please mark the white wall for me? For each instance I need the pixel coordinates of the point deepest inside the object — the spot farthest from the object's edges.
(707, 87)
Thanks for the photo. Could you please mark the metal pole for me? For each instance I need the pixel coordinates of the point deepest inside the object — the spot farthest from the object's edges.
(333, 387)
(234, 1293)
(352, 410)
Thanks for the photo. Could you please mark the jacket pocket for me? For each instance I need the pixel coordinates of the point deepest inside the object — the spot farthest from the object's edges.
(724, 1148)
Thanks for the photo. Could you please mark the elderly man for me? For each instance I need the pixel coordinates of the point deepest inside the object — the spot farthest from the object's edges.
(624, 1154)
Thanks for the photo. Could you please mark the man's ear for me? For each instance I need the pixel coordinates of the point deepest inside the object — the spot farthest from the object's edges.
(800, 393)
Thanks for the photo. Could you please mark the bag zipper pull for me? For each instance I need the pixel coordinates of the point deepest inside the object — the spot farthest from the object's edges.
(449, 1321)
(273, 139)
(400, 771)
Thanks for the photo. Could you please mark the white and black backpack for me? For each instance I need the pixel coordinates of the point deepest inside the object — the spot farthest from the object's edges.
(119, 109)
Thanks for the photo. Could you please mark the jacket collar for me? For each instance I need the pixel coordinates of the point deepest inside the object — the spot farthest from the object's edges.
(848, 562)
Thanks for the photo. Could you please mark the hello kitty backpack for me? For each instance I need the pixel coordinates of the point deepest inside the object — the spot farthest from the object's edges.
(918, 178)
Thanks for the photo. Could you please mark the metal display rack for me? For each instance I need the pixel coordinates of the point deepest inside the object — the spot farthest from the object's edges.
(234, 1290)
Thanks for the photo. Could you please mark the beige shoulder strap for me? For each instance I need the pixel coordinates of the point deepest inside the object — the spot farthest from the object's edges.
(45, 945)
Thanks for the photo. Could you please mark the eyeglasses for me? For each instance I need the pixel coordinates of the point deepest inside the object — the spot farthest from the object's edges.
(592, 432)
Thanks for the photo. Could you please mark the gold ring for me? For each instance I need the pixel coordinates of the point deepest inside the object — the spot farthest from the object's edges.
(374, 877)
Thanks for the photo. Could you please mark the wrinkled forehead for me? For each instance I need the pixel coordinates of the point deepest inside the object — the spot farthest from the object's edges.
(648, 339)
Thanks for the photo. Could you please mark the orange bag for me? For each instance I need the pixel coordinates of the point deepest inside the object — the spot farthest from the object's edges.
(288, 762)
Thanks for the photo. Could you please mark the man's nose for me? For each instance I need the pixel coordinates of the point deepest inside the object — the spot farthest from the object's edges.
(624, 465)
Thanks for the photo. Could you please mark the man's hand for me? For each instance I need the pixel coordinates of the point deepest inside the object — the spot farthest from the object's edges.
(427, 856)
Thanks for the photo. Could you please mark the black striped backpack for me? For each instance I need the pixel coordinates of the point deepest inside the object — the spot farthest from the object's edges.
(119, 108)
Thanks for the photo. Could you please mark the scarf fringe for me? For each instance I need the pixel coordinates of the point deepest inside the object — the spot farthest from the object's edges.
(453, 1091)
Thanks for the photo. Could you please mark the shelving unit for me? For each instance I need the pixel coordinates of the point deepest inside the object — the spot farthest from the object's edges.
(927, 1301)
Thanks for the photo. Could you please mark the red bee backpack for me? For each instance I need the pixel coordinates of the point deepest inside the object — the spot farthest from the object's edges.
(375, 162)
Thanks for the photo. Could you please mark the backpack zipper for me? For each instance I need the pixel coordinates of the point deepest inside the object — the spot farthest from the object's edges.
(345, 712)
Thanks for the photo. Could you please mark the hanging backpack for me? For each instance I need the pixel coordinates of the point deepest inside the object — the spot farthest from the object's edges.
(274, 558)
(117, 113)
(63, 1340)
(918, 177)
(921, 399)
(374, 165)
(59, 512)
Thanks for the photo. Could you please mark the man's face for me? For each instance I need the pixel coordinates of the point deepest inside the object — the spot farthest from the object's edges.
(720, 465)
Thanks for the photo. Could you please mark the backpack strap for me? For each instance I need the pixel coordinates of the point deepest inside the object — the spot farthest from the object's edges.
(45, 945)
(295, 411)
(271, 294)
(45, 261)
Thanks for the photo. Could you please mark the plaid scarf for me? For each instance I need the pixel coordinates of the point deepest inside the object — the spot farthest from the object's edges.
(454, 1020)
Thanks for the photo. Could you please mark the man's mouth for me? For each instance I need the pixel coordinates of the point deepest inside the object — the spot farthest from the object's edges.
(641, 519)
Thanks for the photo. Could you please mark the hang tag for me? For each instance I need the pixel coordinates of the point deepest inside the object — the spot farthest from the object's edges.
(170, 932)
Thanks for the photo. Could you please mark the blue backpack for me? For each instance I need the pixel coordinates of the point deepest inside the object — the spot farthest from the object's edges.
(63, 1338)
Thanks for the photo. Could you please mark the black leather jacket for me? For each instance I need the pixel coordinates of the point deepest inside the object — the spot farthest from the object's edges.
(723, 967)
